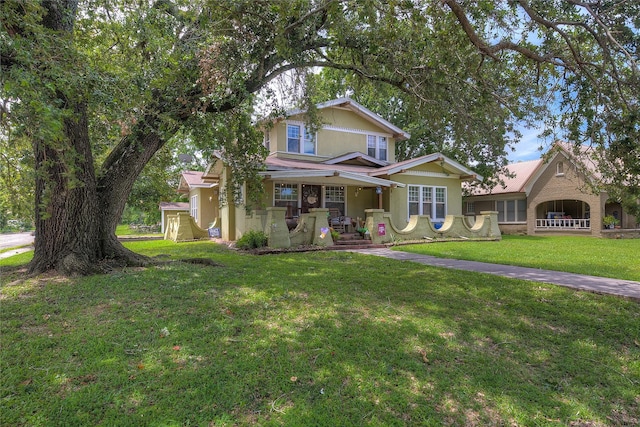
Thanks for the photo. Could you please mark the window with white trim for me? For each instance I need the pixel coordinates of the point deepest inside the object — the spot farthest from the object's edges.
(334, 198)
(512, 210)
(193, 207)
(559, 168)
(296, 143)
(377, 147)
(286, 196)
(429, 201)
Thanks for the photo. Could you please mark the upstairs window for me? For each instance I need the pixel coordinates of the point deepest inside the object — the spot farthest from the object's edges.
(377, 147)
(559, 168)
(296, 143)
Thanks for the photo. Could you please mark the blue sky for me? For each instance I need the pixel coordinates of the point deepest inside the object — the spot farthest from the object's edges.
(527, 148)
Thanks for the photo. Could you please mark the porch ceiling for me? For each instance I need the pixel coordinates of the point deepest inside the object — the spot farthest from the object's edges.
(329, 177)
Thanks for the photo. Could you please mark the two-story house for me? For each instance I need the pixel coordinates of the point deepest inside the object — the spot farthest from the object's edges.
(347, 166)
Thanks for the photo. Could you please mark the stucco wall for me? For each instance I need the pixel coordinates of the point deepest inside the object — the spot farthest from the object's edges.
(165, 216)
(399, 207)
(352, 135)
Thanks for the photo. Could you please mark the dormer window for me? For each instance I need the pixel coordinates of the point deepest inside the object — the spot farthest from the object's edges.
(559, 169)
(377, 147)
(296, 143)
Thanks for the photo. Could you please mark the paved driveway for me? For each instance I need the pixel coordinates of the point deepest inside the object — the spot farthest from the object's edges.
(15, 239)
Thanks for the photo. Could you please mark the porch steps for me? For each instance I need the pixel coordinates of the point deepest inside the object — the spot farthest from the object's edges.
(354, 241)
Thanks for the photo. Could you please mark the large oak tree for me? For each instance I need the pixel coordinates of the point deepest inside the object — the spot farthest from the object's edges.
(98, 87)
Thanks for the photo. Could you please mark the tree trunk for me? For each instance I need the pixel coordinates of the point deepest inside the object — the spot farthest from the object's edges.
(77, 213)
(66, 203)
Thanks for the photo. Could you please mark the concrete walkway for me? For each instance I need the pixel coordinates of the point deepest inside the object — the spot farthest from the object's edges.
(603, 285)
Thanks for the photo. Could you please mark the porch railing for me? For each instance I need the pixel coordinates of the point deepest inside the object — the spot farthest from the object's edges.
(564, 223)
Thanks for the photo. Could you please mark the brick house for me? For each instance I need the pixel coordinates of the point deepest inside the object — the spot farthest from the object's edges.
(552, 195)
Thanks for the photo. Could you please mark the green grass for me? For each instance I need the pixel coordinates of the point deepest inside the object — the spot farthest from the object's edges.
(584, 255)
(322, 338)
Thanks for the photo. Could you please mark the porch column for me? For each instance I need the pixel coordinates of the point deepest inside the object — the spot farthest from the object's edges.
(319, 237)
(276, 228)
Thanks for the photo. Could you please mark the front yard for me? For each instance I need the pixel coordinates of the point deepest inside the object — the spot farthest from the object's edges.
(320, 338)
(619, 259)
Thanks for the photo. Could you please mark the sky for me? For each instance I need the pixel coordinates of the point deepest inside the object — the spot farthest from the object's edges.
(528, 147)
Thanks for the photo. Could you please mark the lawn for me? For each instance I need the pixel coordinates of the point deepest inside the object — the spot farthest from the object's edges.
(575, 254)
(319, 338)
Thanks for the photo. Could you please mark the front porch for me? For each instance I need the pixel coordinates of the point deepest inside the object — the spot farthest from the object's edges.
(313, 228)
(563, 216)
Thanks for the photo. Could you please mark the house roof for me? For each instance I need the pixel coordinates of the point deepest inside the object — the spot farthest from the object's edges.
(280, 168)
(296, 170)
(193, 179)
(277, 163)
(522, 173)
(356, 157)
(448, 165)
(349, 104)
(526, 173)
(174, 206)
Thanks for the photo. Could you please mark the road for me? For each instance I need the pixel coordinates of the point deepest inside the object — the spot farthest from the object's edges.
(15, 239)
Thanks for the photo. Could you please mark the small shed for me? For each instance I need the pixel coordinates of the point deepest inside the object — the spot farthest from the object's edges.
(171, 208)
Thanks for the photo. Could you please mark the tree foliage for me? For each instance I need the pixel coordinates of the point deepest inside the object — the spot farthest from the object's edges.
(99, 87)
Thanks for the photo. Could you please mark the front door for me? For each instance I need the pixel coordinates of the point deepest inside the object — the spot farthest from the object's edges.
(311, 197)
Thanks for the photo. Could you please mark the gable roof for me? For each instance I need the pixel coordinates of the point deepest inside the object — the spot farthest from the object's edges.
(354, 158)
(449, 165)
(527, 173)
(193, 179)
(347, 103)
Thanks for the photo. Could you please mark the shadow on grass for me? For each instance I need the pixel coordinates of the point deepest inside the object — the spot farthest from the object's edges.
(315, 339)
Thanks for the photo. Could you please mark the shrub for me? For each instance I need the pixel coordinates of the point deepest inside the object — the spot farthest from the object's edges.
(252, 240)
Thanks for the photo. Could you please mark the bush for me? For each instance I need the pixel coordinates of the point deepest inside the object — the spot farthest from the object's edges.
(252, 240)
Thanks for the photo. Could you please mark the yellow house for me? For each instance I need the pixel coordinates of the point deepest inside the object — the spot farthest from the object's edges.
(203, 197)
(345, 169)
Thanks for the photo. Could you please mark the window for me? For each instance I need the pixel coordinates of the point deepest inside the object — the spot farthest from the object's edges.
(286, 192)
(296, 143)
(293, 138)
(471, 208)
(512, 210)
(430, 201)
(559, 168)
(377, 147)
(193, 207)
(286, 196)
(334, 198)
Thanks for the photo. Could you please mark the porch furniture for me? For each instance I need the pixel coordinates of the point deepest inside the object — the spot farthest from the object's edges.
(337, 221)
